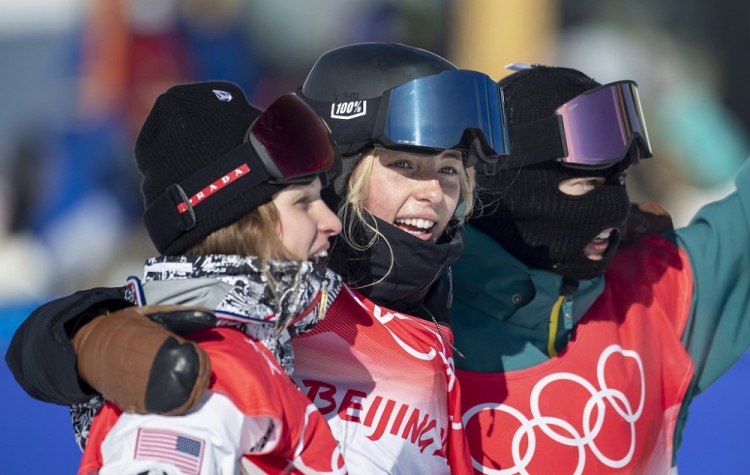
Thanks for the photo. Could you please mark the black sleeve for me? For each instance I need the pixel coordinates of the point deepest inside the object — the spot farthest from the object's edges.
(40, 355)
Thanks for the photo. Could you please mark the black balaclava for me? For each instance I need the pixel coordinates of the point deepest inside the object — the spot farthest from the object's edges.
(526, 213)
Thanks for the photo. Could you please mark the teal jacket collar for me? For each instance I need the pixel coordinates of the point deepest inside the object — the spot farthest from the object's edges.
(498, 298)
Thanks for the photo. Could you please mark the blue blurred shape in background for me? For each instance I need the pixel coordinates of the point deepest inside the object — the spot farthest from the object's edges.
(35, 437)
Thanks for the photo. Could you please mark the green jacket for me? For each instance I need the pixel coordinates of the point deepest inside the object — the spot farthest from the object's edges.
(501, 312)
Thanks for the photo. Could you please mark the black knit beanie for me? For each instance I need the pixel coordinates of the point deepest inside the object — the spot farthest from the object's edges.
(536, 93)
(189, 128)
(528, 215)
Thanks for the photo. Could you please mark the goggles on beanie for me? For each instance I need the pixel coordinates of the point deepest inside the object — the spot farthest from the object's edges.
(596, 130)
(287, 144)
(288, 130)
(454, 109)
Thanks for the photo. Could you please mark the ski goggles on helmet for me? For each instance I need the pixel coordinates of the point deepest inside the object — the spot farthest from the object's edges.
(451, 110)
(596, 129)
(287, 144)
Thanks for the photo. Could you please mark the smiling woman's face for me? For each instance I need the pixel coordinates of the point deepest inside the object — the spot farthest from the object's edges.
(416, 193)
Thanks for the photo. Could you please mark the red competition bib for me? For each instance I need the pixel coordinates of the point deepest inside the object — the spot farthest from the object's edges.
(386, 383)
(608, 403)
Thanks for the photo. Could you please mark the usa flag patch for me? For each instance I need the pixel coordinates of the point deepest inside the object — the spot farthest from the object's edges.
(182, 451)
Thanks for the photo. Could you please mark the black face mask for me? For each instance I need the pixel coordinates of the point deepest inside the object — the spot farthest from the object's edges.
(545, 228)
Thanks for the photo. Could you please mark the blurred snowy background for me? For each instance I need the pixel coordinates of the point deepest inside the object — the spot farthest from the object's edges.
(77, 78)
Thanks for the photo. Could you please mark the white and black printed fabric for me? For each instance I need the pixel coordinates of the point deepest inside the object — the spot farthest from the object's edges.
(82, 415)
(272, 304)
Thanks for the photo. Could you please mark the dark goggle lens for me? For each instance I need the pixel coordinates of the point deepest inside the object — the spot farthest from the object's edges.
(601, 125)
(437, 112)
(295, 142)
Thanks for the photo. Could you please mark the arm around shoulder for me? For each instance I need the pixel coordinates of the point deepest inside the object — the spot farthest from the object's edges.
(40, 354)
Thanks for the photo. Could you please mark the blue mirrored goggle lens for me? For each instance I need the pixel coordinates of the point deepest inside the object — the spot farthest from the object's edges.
(437, 112)
(601, 125)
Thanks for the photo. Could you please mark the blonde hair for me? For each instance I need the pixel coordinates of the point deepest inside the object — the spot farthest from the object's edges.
(353, 214)
(255, 234)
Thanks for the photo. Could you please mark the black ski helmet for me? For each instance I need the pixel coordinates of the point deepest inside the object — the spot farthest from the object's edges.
(363, 71)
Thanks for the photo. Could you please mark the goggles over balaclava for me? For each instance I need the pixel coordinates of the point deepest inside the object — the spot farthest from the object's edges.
(525, 211)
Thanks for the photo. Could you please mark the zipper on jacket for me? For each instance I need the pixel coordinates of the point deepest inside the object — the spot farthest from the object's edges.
(563, 307)
(554, 318)
(413, 297)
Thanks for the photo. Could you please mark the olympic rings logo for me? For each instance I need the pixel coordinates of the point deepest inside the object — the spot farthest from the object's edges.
(565, 433)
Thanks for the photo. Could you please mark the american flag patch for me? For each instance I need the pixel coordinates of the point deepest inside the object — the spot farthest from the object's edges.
(184, 452)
